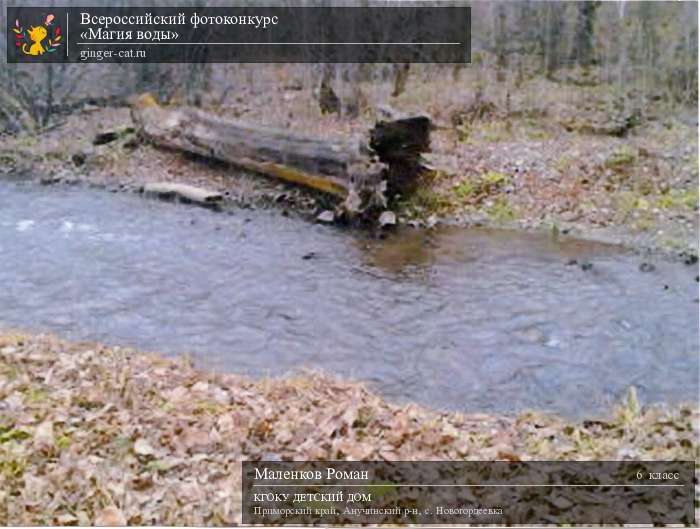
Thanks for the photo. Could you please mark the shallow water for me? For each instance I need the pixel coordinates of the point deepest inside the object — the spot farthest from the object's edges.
(452, 318)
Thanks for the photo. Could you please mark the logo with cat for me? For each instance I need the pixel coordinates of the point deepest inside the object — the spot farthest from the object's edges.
(37, 40)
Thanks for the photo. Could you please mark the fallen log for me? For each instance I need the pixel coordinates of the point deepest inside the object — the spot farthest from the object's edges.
(388, 159)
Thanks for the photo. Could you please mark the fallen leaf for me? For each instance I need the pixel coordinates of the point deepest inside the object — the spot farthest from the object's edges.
(143, 448)
(66, 519)
(110, 517)
(44, 434)
(196, 438)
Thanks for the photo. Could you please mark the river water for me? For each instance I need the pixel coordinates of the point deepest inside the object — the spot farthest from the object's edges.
(457, 319)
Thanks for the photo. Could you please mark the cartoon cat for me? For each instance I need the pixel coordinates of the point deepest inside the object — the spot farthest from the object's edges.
(36, 35)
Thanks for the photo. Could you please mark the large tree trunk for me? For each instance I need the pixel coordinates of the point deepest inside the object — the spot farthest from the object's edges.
(348, 167)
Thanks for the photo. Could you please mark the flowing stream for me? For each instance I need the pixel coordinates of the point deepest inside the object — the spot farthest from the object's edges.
(479, 320)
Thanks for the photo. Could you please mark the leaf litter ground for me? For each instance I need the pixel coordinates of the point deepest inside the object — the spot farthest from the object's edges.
(91, 434)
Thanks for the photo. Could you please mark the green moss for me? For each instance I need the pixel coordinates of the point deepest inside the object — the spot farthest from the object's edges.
(621, 157)
(501, 210)
(7, 159)
(493, 178)
(426, 199)
(14, 435)
(36, 395)
(645, 186)
(628, 201)
(463, 132)
(63, 442)
(642, 204)
(27, 140)
(55, 155)
(563, 164)
(665, 202)
(479, 187)
(537, 135)
(12, 468)
(208, 407)
(644, 224)
(678, 199)
(672, 243)
(464, 189)
(689, 198)
(9, 371)
(495, 132)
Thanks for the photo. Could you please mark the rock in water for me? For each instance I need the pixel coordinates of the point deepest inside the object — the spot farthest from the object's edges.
(353, 202)
(688, 257)
(326, 216)
(646, 267)
(387, 218)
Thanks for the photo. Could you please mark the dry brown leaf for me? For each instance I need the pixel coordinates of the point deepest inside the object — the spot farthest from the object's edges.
(43, 435)
(143, 448)
(180, 453)
(110, 517)
(194, 439)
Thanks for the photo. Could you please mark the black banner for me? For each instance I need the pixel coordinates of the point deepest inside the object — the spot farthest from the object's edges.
(468, 492)
(239, 34)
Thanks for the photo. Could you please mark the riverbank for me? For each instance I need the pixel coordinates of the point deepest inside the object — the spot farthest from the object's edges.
(109, 435)
(66, 155)
(556, 165)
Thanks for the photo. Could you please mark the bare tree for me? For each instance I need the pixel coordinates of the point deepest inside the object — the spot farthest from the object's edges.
(583, 48)
(553, 41)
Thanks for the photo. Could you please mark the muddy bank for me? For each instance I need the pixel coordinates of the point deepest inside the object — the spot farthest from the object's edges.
(67, 155)
(525, 174)
(92, 434)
